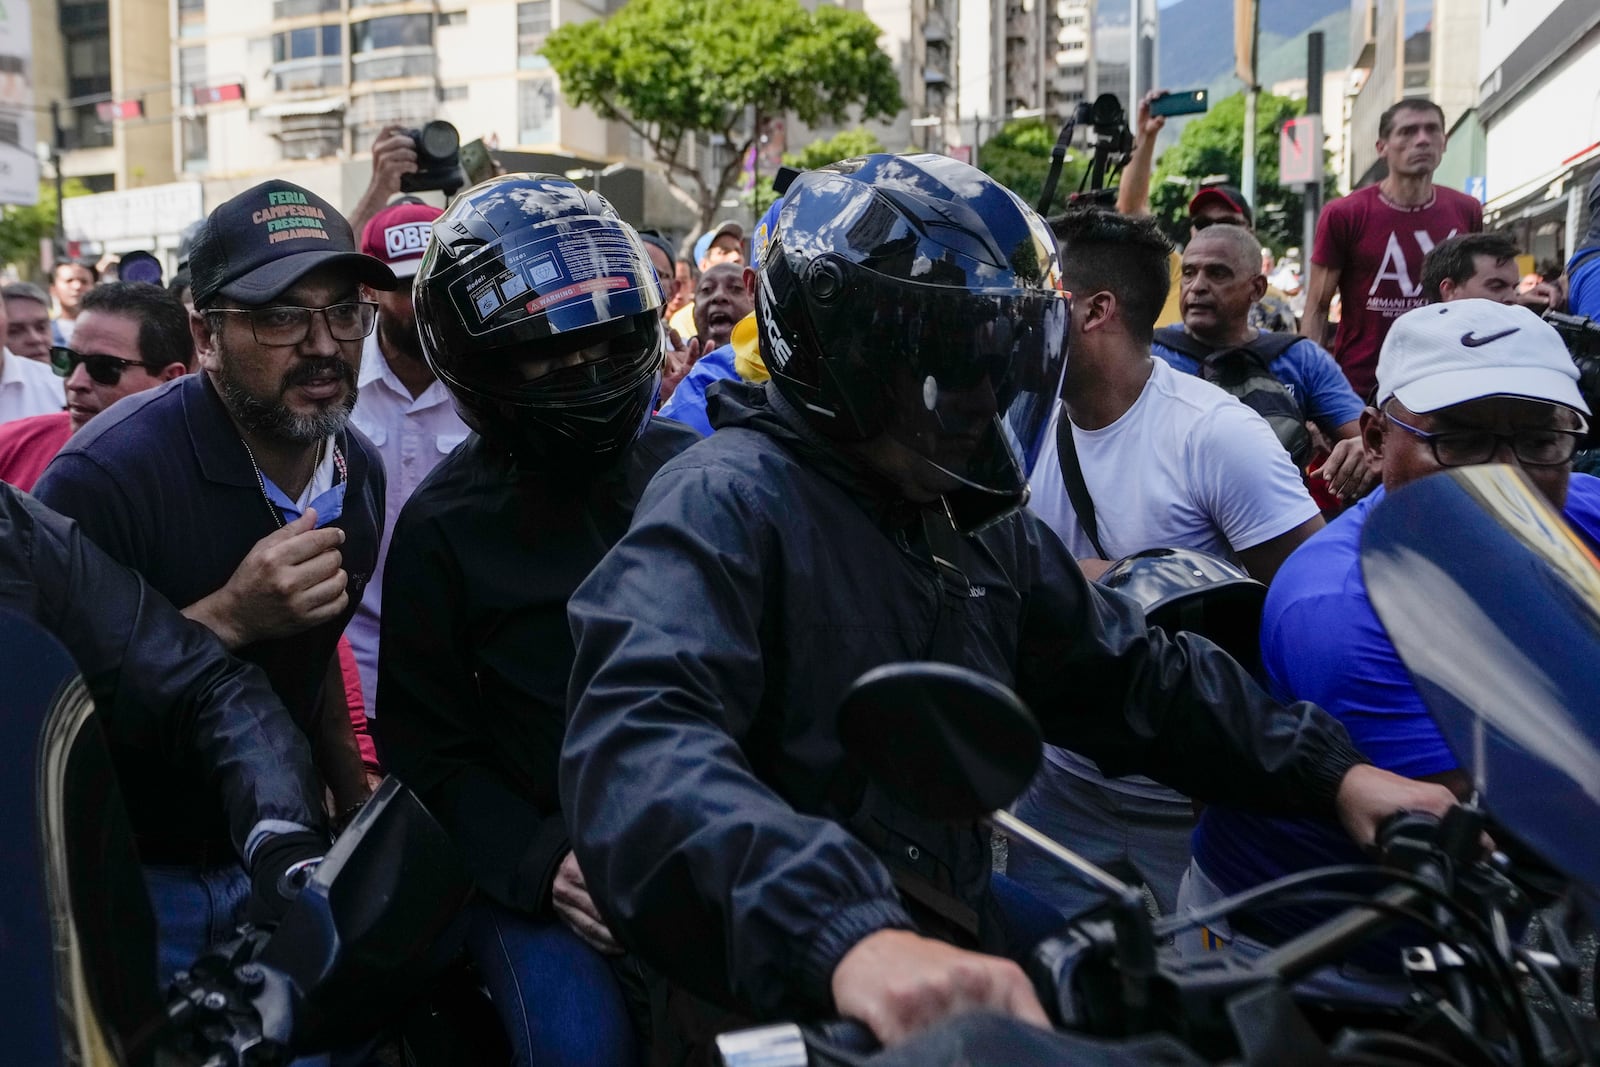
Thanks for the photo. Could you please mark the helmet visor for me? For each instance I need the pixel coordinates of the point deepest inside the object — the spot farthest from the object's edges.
(554, 278)
(977, 375)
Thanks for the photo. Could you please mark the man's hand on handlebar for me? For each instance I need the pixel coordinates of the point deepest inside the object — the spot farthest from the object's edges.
(1368, 795)
(899, 983)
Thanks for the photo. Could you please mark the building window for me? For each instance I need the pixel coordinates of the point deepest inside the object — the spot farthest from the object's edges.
(191, 68)
(452, 18)
(196, 143)
(536, 111)
(371, 112)
(316, 136)
(533, 22)
(392, 31)
(401, 47)
(288, 9)
(191, 8)
(309, 42)
(452, 93)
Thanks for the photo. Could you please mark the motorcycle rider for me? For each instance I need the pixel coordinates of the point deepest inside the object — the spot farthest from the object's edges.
(539, 309)
(865, 507)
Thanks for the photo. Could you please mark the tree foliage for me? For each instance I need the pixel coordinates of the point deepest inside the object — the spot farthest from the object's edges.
(846, 144)
(1018, 157)
(673, 69)
(22, 228)
(1214, 144)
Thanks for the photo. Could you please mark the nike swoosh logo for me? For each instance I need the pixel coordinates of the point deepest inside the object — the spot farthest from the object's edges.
(1472, 341)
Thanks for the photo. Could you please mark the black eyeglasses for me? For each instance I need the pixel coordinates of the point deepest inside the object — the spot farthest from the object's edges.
(287, 325)
(1533, 448)
(107, 370)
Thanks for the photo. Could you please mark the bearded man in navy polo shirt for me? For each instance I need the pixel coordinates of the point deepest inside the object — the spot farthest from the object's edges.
(241, 493)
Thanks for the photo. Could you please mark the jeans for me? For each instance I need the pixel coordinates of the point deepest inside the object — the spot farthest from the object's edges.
(195, 907)
(1339, 981)
(1138, 839)
(558, 999)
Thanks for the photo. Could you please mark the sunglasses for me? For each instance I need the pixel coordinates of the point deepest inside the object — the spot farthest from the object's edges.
(107, 370)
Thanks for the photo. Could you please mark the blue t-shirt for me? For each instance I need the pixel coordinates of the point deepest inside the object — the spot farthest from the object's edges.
(1583, 283)
(687, 404)
(1308, 371)
(1321, 641)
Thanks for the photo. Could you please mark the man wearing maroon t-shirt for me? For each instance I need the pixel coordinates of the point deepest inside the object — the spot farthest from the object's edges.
(1370, 244)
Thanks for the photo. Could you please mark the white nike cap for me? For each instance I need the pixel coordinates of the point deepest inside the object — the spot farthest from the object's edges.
(1445, 354)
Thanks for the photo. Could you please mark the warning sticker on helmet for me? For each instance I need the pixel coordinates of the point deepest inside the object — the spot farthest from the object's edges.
(578, 289)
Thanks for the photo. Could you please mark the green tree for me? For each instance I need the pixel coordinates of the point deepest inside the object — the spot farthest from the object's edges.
(671, 70)
(846, 144)
(1214, 144)
(1018, 157)
(22, 228)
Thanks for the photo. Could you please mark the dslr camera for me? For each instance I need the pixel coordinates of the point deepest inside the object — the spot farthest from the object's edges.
(438, 147)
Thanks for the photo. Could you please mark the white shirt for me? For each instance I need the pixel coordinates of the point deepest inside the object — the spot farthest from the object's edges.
(411, 436)
(1187, 466)
(28, 387)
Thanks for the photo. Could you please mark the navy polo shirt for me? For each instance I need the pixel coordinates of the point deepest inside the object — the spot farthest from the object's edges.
(162, 482)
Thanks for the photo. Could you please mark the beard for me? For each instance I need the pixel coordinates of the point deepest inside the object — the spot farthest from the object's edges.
(270, 416)
(400, 337)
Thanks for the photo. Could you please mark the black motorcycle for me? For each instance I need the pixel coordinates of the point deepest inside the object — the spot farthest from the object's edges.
(1494, 606)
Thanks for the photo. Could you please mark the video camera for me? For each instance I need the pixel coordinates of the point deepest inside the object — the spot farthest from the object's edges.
(1111, 141)
(438, 160)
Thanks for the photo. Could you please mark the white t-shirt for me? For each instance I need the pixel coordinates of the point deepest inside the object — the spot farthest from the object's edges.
(28, 387)
(1187, 466)
(412, 436)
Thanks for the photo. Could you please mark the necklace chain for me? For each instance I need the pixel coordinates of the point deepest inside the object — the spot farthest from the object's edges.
(261, 479)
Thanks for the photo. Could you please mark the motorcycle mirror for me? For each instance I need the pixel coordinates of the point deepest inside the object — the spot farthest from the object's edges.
(378, 916)
(945, 741)
(1494, 607)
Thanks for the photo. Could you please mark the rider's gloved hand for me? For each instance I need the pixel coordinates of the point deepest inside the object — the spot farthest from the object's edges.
(281, 865)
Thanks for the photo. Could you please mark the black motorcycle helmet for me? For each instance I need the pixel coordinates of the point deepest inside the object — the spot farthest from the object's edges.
(915, 296)
(1186, 589)
(538, 308)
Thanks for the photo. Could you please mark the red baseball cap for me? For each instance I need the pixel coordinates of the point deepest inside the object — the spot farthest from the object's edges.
(1226, 195)
(399, 235)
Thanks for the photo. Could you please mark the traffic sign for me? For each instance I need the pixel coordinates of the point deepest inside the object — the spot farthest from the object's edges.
(1300, 151)
(1478, 188)
(217, 94)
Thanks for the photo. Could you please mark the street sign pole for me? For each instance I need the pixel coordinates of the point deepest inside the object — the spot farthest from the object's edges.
(1311, 198)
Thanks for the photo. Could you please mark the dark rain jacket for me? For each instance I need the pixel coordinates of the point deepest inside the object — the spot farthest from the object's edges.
(170, 699)
(476, 653)
(702, 774)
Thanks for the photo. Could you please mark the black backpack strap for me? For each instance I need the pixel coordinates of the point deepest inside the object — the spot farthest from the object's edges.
(1269, 345)
(1178, 339)
(1077, 489)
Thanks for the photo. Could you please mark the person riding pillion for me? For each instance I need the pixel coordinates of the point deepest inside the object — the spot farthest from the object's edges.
(538, 308)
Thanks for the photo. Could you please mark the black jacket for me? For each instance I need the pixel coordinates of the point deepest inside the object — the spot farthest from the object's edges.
(168, 696)
(475, 652)
(702, 775)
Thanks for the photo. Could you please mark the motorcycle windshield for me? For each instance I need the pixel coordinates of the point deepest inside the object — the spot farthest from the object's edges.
(1493, 604)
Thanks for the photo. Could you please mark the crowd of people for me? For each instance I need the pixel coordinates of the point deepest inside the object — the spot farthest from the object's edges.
(584, 535)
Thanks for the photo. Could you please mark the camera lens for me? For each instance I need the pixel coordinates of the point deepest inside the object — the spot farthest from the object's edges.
(439, 139)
